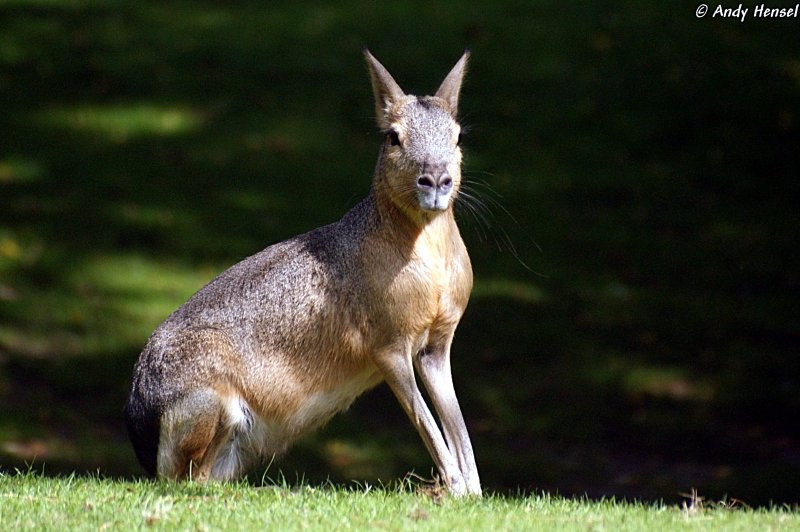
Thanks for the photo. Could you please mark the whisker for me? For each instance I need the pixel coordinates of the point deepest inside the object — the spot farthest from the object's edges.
(482, 203)
(478, 204)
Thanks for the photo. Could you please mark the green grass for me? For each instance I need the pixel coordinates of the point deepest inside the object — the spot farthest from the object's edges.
(31, 502)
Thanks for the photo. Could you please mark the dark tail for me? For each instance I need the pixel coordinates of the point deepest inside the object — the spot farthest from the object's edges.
(144, 426)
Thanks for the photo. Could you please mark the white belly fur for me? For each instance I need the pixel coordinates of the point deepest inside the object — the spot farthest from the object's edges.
(254, 438)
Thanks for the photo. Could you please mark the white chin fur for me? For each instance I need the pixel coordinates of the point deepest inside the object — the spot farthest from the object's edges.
(432, 203)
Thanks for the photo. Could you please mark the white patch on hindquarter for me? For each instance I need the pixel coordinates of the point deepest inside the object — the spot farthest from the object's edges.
(239, 413)
(252, 438)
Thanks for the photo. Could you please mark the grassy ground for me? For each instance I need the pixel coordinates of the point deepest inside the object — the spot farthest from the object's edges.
(30, 502)
(648, 159)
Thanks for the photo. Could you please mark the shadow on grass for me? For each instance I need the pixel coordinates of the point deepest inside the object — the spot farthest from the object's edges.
(649, 155)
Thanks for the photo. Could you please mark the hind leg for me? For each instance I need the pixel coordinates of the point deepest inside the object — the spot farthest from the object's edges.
(193, 430)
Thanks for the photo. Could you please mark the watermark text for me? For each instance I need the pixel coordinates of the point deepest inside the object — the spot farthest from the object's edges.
(741, 13)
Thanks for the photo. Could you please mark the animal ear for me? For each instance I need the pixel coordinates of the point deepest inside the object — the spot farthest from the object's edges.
(384, 88)
(451, 86)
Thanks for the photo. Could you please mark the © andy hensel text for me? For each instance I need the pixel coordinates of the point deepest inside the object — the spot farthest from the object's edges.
(741, 13)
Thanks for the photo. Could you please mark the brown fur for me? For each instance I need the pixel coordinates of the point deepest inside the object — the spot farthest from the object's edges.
(280, 342)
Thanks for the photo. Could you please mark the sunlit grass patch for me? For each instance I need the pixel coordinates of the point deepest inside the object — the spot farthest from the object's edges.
(29, 501)
(667, 382)
(37, 450)
(641, 378)
(507, 288)
(109, 303)
(125, 296)
(120, 122)
(19, 170)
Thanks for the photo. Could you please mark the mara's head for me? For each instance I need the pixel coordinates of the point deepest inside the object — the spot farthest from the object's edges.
(419, 167)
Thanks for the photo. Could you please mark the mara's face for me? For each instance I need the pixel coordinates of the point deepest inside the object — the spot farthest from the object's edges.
(422, 156)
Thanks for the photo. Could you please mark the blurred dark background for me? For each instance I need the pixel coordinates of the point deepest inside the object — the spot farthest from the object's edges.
(634, 326)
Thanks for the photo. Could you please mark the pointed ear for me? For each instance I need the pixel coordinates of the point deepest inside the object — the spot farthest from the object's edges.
(451, 86)
(384, 88)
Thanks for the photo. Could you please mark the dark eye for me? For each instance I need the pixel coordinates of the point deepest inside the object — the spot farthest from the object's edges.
(392, 138)
(460, 138)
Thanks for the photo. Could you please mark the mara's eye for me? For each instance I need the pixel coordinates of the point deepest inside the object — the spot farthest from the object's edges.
(392, 138)
(460, 138)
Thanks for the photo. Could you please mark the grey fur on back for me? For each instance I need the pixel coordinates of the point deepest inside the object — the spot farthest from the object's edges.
(255, 305)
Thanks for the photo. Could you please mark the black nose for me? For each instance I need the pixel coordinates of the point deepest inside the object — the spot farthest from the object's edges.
(425, 182)
(435, 177)
(428, 183)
